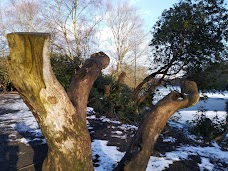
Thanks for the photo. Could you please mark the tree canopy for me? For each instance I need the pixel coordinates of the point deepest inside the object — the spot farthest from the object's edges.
(190, 37)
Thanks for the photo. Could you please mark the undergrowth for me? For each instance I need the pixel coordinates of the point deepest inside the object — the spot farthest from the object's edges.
(208, 128)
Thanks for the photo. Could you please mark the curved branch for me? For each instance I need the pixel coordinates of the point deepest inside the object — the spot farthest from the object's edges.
(151, 88)
(162, 70)
(83, 80)
(139, 151)
(147, 79)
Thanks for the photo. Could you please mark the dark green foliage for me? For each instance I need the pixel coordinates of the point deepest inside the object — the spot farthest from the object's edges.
(63, 68)
(226, 107)
(101, 81)
(214, 77)
(192, 37)
(117, 105)
(5, 82)
(206, 127)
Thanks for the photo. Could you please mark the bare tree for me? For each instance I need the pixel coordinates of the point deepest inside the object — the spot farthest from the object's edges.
(3, 43)
(134, 74)
(125, 22)
(73, 24)
(62, 117)
(140, 49)
(21, 16)
(76, 23)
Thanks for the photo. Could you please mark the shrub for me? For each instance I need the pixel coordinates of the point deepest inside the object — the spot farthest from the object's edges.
(226, 106)
(203, 126)
(117, 104)
(5, 82)
(63, 68)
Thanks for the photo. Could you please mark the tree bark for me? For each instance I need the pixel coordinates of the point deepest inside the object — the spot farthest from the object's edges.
(83, 80)
(62, 124)
(139, 151)
(120, 80)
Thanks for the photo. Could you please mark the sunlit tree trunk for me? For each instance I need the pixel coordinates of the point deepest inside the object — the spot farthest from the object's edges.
(62, 123)
(62, 117)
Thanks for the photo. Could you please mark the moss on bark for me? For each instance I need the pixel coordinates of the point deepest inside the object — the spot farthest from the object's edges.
(69, 144)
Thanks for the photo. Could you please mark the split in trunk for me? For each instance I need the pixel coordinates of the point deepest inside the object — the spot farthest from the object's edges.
(62, 123)
(62, 119)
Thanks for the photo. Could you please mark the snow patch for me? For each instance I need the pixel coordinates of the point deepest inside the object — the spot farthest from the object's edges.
(90, 110)
(169, 139)
(158, 163)
(205, 164)
(107, 156)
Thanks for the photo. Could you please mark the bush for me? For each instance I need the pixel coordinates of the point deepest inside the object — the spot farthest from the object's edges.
(226, 107)
(203, 126)
(5, 82)
(117, 104)
(63, 68)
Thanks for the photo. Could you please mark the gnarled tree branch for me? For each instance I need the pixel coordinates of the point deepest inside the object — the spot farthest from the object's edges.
(141, 146)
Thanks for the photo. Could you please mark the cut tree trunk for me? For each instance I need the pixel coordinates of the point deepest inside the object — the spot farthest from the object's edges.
(107, 90)
(62, 124)
(63, 120)
(140, 149)
(83, 80)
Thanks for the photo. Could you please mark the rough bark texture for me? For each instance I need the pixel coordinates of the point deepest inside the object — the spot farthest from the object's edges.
(62, 124)
(83, 80)
(139, 151)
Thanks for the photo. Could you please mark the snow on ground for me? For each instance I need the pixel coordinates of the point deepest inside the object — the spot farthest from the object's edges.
(206, 154)
(214, 105)
(18, 119)
(108, 155)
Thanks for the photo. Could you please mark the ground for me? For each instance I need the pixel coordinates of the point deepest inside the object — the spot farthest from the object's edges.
(23, 147)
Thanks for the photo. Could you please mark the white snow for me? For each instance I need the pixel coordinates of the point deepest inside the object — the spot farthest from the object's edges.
(90, 110)
(108, 155)
(214, 105)
(158, 163)
(19, 119)
(169, 139)
(205, 164)
(117, 132)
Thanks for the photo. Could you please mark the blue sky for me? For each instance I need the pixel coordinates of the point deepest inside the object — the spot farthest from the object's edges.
(152, 9)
